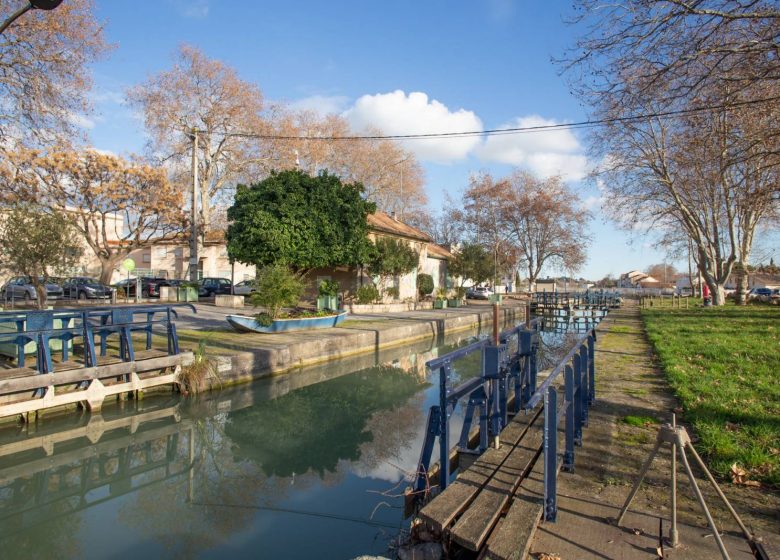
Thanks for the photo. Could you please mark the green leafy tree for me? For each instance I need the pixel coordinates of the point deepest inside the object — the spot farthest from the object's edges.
(38, 244)
(391, 258)
(300, 221)
(424, 284)
(277, 287)
(472, 262)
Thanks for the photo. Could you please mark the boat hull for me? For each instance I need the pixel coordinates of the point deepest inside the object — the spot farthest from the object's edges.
(244, 323)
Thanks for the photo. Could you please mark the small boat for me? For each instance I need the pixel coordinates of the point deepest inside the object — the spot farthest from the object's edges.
(246, 323)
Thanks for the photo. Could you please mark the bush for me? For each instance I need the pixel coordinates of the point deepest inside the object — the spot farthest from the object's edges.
(424, 284)
(329, 288)
(393, 292)
(277, 287)
(367, 294)
(441, 293)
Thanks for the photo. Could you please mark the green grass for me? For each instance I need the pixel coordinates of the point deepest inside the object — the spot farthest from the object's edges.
(639, 421)
(724, 365)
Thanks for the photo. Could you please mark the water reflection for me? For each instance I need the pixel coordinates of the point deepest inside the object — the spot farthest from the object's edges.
(297, 466)
(256, 468)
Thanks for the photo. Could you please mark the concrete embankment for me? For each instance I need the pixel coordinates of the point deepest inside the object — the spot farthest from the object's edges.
(267, 355)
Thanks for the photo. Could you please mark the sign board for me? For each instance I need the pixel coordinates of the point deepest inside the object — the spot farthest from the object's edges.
(128, 265)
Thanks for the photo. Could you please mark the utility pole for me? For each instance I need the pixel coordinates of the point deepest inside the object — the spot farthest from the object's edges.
(194, 219)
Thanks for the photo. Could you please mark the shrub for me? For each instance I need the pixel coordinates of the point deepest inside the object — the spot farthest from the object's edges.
(424, 284)
(329, 288)
(277, 287)
(193, 377)
(393, 292)
(441, 293)
(367, 294)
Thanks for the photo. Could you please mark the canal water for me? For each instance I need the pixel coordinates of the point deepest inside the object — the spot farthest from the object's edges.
(311, 464)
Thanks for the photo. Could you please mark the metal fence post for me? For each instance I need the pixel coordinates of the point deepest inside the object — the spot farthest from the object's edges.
(444, 433)
(583, 353)
(550, 453)
(577, 400)
(568, 455)
(592, 367)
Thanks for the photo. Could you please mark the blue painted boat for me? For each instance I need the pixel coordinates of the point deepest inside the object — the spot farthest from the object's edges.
(244, 323)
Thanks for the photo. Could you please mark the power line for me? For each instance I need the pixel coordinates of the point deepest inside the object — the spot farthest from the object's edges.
(507, 131)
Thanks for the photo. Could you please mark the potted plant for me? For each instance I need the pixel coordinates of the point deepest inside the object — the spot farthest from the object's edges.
(187, 291)
(457, 301)
(328, 295)
(441, 299)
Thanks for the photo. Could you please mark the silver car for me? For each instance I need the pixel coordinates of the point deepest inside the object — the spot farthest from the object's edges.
(21, 288)
(245, 288)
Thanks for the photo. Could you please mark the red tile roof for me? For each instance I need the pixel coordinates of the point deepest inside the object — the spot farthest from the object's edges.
(438, 252)
(381, 222)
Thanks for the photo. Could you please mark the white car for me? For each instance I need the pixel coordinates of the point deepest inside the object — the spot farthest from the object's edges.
(480, 292)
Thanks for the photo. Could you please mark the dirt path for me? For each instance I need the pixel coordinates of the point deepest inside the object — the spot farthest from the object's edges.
(629, 384)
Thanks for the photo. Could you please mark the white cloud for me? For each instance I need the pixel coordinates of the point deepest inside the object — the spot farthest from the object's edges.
(322, 104)
(81, 121)
(398, 113)
(546, 152)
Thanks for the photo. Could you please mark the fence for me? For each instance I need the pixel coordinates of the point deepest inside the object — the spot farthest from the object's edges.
(488, 393)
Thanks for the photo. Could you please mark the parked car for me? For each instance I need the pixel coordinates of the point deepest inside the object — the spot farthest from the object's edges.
(685, 291)
(209, 287)
(150, 287)
(21, 288)
(479, 292)
(245, 288)
(774, 297)
(84, 288)
(761, 294)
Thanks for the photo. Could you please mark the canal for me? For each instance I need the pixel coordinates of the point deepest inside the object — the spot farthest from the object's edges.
(311, 464)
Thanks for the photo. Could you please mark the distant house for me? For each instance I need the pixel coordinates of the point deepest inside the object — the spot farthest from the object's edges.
(637, 279)
(546, 285)
(432, 260)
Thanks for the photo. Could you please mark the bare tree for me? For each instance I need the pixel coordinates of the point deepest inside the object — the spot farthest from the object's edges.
(547, 222)
(117, 206)
(206, 96)
(680, 47)
(392, 177)
(710, 170)
(44, 60)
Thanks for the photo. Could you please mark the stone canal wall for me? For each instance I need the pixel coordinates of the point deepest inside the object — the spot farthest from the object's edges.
(333, 344)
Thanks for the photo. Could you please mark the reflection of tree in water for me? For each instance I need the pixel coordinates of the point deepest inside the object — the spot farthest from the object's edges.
(316, 426)
(60, 529)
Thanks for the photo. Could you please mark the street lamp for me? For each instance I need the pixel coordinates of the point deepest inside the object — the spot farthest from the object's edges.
(32, 4)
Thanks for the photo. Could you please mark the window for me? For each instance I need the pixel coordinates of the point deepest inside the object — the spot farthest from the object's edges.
(147, 258)
(161, 252)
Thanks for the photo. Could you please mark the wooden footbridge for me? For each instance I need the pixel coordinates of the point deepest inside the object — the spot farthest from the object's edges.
(507, 467)
(69, 368)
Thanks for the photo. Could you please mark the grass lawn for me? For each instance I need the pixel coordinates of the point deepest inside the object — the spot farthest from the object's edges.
(724, 365)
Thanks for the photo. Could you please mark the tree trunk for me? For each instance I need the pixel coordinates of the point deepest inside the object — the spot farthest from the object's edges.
(107, 265)
(40, 291)
(741, 284)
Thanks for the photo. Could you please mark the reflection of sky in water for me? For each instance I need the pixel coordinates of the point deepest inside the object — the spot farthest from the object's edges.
(302, 465)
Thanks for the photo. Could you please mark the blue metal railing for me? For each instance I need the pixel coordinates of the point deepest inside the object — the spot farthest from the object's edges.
(590, 298)
(39, 328)
(511, 365)
(489, 394)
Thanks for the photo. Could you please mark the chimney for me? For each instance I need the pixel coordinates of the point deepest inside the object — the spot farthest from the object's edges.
(392, 215)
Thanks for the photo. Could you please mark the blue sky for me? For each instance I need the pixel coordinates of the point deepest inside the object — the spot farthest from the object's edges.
(403, 66)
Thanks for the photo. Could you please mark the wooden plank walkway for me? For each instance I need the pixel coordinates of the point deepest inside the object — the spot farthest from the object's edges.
(484, 508)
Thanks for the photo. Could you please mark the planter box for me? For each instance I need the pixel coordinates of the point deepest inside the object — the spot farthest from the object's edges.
(454, 303)
(168, 293)
(328, 302)
(440, 304)
(187, 294)
(226, 300)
